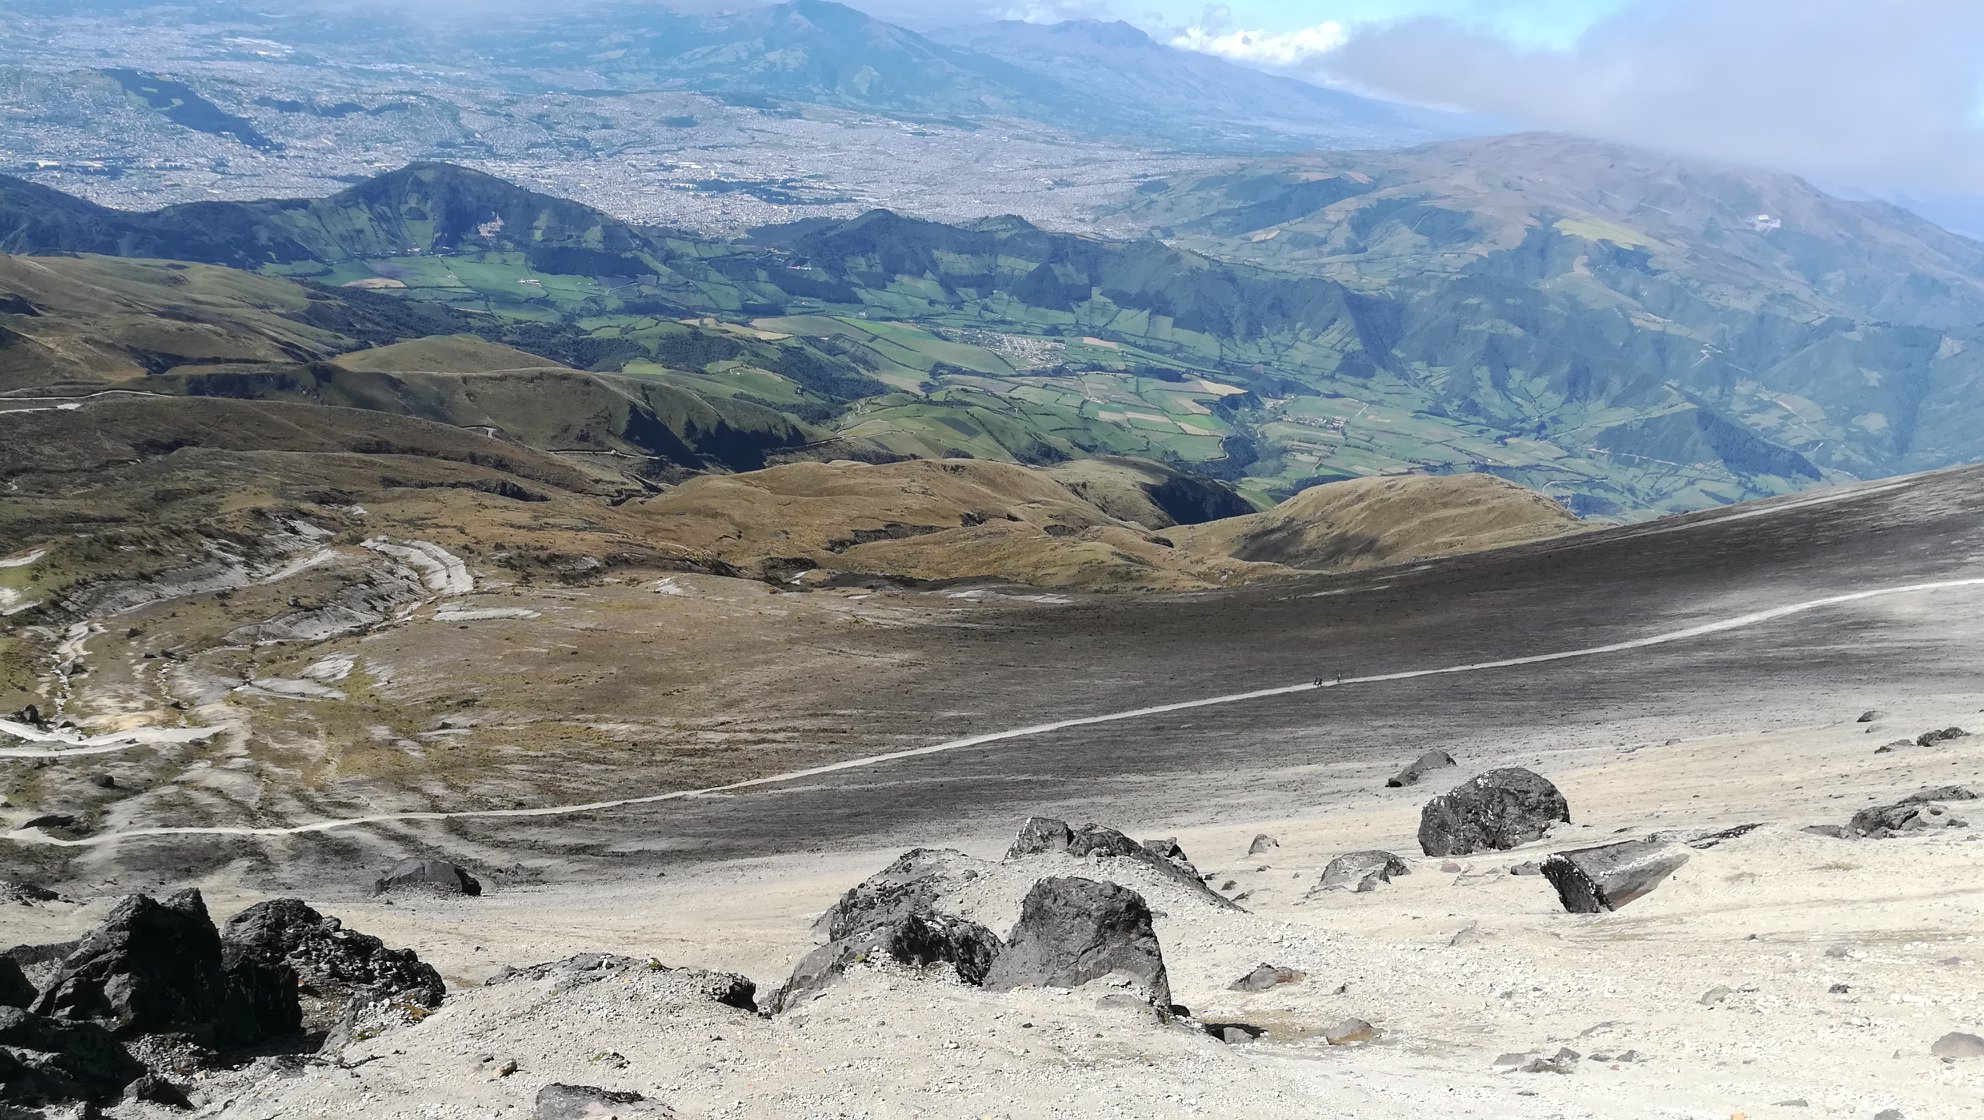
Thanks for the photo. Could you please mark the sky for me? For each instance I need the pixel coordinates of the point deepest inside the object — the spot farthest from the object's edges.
(1877, 95)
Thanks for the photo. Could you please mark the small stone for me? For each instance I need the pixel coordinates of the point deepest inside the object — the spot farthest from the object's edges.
(1528, 867)
(1347, 1032)
(1931, 738)
(1716, 995)
(1450, 867)
(1889, 1114)
(1234, 1034)
(1839, 952)
(1266, 976)
(103, 781)
(1261, 844)
(1957, 1044)
(1839, 989)
(507, 1068)
(1871, 716)
(1795, 1102)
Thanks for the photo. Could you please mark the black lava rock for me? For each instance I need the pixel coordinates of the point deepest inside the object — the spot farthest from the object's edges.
(1499, 810)
(1072, 931)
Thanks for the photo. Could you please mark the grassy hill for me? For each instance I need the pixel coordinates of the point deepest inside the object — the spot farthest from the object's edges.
(1377, 521)
(1693, 337)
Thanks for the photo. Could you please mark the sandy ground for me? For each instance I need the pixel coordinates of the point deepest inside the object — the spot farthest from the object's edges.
(1781, 918)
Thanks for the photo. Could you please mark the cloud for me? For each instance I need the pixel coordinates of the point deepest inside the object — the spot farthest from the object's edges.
(1275, 49)
(1051, 11)
(1872, 91)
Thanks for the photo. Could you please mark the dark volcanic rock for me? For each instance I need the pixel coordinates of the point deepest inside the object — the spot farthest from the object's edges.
(916, 940)
(1360, 871)
(585, 1102)
(51, 820)
(51, 1061)
(1428, 763)
(1498, 810)
(335, 967)
(1941, 793)
(156, 967)
(1606, 877)
(1931, 738)
(1072, 931)
(431, 875)
(1921, 813)
(15, 991)
(1045, 835)
(908, 886)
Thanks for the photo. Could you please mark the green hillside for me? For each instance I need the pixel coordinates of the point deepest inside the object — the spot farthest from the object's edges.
(1703, 336)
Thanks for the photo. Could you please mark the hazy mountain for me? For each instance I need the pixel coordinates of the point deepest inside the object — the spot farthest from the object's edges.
(1846, 330)
(1140, 85)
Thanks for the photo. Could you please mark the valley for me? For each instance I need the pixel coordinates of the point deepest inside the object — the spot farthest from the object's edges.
(776, 559)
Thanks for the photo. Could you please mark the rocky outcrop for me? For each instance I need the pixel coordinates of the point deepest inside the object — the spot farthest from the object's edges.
(336, 968)
(1045, 835)
(1498, 810)
(1429, 763)
(726, 988)
(1906, 816)
(432, 876)
(910, 885)
(46, 1061)
(1360, 871)
(157, 968)
(587, 1102)
(1266, 976)
(1072, 931)
(1606, 877)
(917, 940)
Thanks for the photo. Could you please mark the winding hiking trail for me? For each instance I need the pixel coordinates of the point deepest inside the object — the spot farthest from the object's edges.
(1737, 623)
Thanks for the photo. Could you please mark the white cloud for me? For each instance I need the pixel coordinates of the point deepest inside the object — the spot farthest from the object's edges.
(1279, 49)
(1052, 11)
(1861, 92)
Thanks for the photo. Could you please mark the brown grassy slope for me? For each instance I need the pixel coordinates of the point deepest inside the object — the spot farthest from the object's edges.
(1370, 522)
(443, 354)
(90, 321)
(931, 520)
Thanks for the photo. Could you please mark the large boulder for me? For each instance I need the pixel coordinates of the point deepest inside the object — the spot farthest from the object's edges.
(1360, 871)
(1429, 763)
(918, 940)
(46, 1061)
(1606, 877)
(910, 885)
(1498, 810)
(1072, 931)
(1047, 836)
(433, 876)
(156, 967)
(336, 968)
(1906, 816)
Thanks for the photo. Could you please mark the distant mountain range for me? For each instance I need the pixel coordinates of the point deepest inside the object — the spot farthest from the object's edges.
(1631, 333)
(1091, 79)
